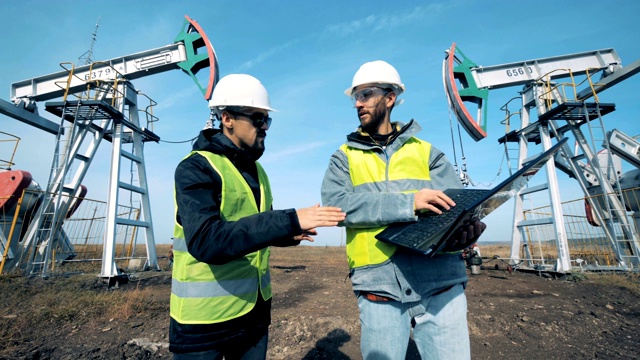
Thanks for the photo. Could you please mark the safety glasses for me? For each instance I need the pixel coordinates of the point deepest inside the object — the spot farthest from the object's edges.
(258, 119)
(363, 95)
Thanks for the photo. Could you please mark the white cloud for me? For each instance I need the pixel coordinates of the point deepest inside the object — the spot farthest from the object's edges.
(345, 29)
(386, 21)
(267, 54)
(372, 22)
(178, 97)
(270, 157)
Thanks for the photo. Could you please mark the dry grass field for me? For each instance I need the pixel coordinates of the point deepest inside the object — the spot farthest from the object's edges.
(514, 315)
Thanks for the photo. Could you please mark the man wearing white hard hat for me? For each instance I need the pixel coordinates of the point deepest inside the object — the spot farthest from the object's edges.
(384, 174)
(224, 226)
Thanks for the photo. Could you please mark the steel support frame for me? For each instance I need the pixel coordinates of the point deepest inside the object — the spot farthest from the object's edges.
(109, 268)
(517, 234)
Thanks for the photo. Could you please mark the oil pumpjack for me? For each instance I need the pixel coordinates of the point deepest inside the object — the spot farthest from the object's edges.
(94, 102)
(562, 110)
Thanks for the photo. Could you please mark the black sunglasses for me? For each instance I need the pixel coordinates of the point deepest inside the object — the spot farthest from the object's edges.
(257, 118)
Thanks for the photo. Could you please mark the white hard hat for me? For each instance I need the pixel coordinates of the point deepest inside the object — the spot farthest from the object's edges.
(240, 90)
(376, 72)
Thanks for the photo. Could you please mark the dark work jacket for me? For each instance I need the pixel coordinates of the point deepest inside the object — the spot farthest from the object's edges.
(211, 240)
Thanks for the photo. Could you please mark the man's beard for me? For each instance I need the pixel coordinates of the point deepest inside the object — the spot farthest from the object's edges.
(256, 151)
(377, 116)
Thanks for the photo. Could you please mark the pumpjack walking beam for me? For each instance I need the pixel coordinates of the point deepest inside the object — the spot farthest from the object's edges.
(182, 54)
(466, 82)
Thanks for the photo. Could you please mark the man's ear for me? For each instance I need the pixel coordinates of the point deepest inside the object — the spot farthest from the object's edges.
(225, 120)
(391, 99)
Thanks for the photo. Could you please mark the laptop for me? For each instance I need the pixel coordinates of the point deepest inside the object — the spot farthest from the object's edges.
(429, 234)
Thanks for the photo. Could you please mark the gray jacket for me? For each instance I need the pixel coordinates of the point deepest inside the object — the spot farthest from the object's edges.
(407, 276)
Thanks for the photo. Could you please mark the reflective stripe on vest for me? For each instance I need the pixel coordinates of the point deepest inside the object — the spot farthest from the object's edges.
(406, 171)
(203, 293)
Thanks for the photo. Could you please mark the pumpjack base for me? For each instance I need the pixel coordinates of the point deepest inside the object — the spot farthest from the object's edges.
(548, 274)
(116, 281)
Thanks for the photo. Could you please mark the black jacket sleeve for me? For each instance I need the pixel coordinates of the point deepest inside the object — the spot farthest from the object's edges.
(210, 239)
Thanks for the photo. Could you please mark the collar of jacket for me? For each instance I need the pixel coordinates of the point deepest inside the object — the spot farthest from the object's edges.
(213, 140)
(359, 139)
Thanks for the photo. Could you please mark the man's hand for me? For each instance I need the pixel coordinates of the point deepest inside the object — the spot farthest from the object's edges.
(296, 240)
(318, 216)
(434, 200)
(467, 234)
(306, 235)
(312, 217)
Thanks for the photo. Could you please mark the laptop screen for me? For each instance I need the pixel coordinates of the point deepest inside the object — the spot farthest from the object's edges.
(510, 187)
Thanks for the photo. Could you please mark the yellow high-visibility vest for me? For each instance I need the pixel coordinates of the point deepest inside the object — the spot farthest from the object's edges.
(371, 173)
(202, 293)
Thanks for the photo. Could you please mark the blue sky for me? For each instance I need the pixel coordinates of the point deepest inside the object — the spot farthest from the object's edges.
(306, 53)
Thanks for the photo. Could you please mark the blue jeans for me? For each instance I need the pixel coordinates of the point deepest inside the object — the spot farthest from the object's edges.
(256, 352)
(440, 327)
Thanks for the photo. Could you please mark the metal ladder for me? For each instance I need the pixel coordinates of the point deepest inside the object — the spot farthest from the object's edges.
(628, 244)
(81, 130)
(510, 153)
(515, 156)
(556, 219)
(56, 203)
(128, 132)
(611, 209)
(534, 133)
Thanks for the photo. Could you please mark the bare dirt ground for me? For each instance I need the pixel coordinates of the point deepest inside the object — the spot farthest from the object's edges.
(511, 315)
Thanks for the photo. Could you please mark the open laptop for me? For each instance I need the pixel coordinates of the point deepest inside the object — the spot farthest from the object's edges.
(429, 234)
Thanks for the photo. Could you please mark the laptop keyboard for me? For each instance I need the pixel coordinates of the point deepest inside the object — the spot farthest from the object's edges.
(465, 198)
(431, 224)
